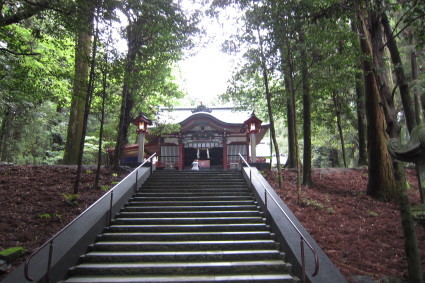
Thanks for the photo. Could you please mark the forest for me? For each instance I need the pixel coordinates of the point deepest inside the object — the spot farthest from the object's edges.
(336, 79)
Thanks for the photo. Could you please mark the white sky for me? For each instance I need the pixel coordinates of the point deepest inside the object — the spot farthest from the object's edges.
(204, 72)
(204, 75)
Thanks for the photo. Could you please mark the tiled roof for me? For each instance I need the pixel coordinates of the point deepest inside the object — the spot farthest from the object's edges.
(224, 114)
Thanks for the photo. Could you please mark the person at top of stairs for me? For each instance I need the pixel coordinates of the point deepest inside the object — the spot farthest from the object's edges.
(195, 165)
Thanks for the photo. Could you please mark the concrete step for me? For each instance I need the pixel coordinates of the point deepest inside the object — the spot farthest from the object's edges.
(178, 256)
(223, 188)
(181, 268)
(194, 188)
(130, 208)
(189, 179)
(187, 220)
(196, 174)
(179, 214)
(151, 202)
(189, 227)
(198, 183)
(183, 245)
(184, 236)
(210, 278)
(194, 198)
(186, 193)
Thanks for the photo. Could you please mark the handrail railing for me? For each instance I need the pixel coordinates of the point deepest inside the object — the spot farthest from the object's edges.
(302, 238)
(51, 240)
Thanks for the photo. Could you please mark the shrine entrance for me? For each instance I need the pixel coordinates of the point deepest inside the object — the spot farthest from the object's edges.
(208, 158)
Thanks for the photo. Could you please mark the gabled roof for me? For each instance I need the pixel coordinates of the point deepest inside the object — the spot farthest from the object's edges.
(224, 115)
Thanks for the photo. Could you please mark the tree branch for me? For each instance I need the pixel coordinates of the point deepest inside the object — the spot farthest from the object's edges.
(18, 53)
(393, 36)
(28, 10)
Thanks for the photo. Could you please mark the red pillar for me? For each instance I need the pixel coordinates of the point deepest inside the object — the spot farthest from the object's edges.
(224, 153)
(181, 156)
(247, 149)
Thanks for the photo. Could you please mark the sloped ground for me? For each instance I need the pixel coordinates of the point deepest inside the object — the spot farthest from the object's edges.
(32, 204)
(360, 235)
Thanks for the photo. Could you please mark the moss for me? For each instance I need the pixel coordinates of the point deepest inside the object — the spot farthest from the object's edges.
(11, 254)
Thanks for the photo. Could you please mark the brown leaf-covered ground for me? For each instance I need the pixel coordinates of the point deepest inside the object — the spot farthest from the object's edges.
(32, 204)
(360, 235)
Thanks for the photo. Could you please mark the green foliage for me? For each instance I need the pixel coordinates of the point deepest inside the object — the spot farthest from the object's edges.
(104, 187)
(71, 199)
(372, 213)
(162, 128)
(46, 215)
(310, 202)
(37, 134)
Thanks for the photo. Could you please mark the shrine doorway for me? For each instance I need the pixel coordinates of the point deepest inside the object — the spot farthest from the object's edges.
(213, 155)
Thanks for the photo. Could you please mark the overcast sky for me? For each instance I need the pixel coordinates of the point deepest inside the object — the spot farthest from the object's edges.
(204, 75)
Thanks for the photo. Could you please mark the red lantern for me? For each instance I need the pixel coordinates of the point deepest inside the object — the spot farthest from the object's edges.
(252, 125)
(142, 123)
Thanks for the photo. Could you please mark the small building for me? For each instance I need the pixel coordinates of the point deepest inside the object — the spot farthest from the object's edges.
(215, 136)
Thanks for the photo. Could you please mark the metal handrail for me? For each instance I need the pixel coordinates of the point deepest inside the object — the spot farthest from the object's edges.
(303, 239)
(51, 240)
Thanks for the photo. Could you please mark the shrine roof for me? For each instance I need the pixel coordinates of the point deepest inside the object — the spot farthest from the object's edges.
(226, 115)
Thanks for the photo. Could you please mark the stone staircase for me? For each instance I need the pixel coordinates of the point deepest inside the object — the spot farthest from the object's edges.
(186, 226)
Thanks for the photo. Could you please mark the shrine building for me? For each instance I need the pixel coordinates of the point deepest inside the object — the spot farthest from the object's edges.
(215, 136)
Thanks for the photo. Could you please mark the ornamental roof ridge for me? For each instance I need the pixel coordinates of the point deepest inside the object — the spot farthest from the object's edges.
(201, 108)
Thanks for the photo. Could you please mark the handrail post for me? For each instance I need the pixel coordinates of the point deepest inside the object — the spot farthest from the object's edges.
(49, 263)
(110, 207)
(137, 179)
(267, 207)
(302, 260)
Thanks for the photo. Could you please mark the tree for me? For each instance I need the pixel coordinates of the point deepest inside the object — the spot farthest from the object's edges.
(307, 180)
(84, 31)
(381, 182)
(33, 88)
(269, 104)
(156, 34)
(372, 45)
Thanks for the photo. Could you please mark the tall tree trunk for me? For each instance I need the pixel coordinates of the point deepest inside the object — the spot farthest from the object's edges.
(361, 120)
(307, 181)
(3, 128)
(412, 253)
(381, 173)
(414, 268)
(127, 96)
(402, 82)
(337, 105)
(360, 103)
(87, 104)
(408, 105)
(82, 62)
(102, 120)
(416, 88)
(290, 102)
(269, 108)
